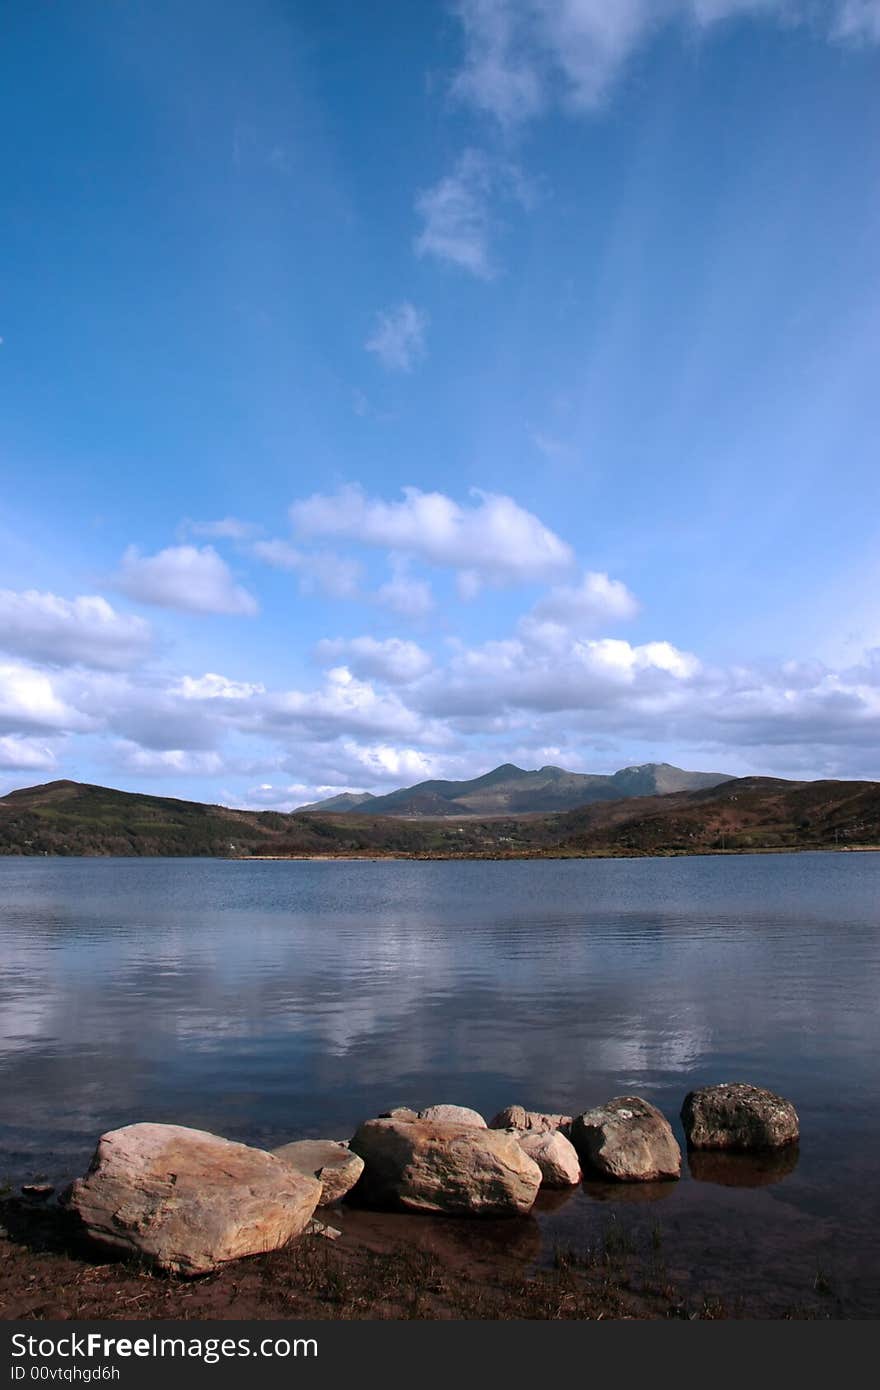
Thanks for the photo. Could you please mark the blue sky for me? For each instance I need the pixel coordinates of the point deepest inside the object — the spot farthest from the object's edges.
(391, 391)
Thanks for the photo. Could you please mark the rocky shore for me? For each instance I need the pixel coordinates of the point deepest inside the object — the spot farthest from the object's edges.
(190, 1206)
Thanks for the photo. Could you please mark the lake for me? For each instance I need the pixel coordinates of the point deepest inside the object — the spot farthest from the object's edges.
(268, 1001)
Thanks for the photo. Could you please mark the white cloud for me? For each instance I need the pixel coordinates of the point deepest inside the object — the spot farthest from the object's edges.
(28, 700)
(381, 765)
(494, 539)
(385, 762)
(457, 212)
(522, 55)
(393, 660)
(26, 754)
(398, 338)
(487, 704)
(266, 796)
(344, 705)
(215, 687)
(189, 578)
(597, 599)
(61, 631)
(151, 711)
(520, 674)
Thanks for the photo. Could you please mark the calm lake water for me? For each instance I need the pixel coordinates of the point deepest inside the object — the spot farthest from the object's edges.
(272, 1001)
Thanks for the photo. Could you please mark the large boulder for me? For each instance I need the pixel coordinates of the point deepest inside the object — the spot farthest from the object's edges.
(458, 1170)
(517, 1117)
(333, 1164)
(453, 1115)
(736, 1115)
(187, 1201)
(555, 1155)
(628, 1140)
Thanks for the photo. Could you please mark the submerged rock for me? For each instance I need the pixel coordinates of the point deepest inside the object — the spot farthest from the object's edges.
(458, 1170)
(333, 1164)
(188, 1201)
(627, 1139)
(517, 1117)
(555, 1155)
(453, 1115)
(735, 1115)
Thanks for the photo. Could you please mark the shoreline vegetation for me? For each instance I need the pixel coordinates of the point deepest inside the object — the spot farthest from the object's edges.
(741, 815)
(383, 1266)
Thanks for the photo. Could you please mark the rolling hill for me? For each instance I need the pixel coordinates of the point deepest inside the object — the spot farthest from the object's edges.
(740, 814)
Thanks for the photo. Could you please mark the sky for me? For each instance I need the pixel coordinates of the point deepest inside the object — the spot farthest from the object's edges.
(392, 391)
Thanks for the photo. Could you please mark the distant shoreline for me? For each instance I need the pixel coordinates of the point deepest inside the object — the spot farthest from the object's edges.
(512, 857)
(585, 854)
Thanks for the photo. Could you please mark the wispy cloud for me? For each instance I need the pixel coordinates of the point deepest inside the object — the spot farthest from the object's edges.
(337, 576)
(522, 56)
(230, 528)
(167, 762)
(858, 20)
(557, 450)
(398, 337)
(341, 576)
(403, 593)
(458, 212)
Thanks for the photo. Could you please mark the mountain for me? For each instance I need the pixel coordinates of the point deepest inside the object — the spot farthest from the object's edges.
(745, 813)
(510, 790)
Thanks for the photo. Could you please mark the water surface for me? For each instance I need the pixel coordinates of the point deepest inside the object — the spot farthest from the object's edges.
(271, 1001)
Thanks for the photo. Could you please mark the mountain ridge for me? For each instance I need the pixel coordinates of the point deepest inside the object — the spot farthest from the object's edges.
(511, 790)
